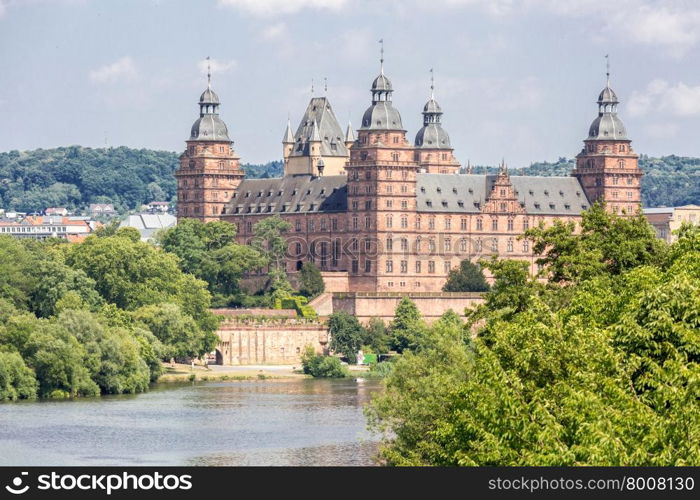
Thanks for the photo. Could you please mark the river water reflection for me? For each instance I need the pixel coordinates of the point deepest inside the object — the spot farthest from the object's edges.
(285, 422)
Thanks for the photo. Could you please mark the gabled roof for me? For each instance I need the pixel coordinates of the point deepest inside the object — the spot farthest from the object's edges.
(330, 133)
(290, 194)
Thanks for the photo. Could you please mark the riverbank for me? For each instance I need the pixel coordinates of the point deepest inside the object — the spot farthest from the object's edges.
(177, 372)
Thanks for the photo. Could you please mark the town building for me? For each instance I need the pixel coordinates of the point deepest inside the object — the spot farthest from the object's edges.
(387, 214)
(149, 224)
(42, 227)
(666, 220)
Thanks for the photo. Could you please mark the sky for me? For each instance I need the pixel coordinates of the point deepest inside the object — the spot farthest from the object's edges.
(517, 80)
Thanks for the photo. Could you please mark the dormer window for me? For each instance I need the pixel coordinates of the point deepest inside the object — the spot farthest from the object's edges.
(429, 203)
(578, 193)
(561, 193)
(537, 205)
(567, 206)
(546, 193)
(531, 192)
(444, 203)
(439, 190)
(454, 190)
(460, 203)
(471, 191)
(551, 206)
(247, 194)
(260, 194)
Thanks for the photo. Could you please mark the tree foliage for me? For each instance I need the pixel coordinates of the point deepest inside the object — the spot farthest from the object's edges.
(407, 328)
(347, 335)
(602, 371)
(310, 280)
(209, 252)
(468, 277)
(319, 366)
(95, 317)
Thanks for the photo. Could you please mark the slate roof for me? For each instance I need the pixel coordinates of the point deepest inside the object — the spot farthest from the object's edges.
(290, 194)
(320, 113)
(467, 193)
(149, 224)
(436, 193)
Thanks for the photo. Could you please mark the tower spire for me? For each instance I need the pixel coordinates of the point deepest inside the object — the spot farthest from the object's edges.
(381, 55)
(325, 85)
(607, 70)
(312, 87)
(432, 84)
(208, 72)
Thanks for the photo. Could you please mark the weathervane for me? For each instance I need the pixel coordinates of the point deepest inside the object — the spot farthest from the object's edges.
(381, 56)
(208, 72)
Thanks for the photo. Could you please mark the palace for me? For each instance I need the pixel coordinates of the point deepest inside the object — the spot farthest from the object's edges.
(387, 214)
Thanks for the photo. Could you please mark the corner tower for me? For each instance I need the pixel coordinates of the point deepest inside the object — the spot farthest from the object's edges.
(209, 168)
(434, 153)
(607, 165)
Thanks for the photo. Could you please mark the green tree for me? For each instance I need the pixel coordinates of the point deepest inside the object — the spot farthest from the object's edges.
(376, 336)
(310, 280)
(269, 240)
(57, 279)
(468, 277)
(607, 244)
(605, 376)
(131, 274)
(347, 335)
(407, 328)
(178, 332)
(17, 381)
(209, 252)
(319, 366)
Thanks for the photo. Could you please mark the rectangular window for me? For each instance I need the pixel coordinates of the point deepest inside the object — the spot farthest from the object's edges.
(368, 205)
(418, 266)
(431, 223)
(448, 223)
(479, 224)
(463, 224)
(510, 224)
(354, 222)
(389, 203)
(355, 266)
(389, 266)
(368, 245)
(526, 246)
(334, 224)
(448, 266)
(448, 245)
(510, 245)
(367, 223)
(494, 224)
(404, 266)
(431, 266)
(494, 245)
(368, 266)
(526, 224)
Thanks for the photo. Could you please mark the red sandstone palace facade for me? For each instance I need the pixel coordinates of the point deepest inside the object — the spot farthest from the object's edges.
(391, 214)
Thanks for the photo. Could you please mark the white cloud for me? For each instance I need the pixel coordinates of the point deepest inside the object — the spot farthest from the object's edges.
(217, 67)
(661, 97)
(281, 7)
(122, 69)
(274, 31)
(669, 24)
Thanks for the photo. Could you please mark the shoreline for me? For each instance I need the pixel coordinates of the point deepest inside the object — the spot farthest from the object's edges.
(213, 373)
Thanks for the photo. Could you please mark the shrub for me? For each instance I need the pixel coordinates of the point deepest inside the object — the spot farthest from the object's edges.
(319, 366)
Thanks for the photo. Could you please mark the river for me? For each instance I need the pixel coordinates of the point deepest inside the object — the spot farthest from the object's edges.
(267, 422)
